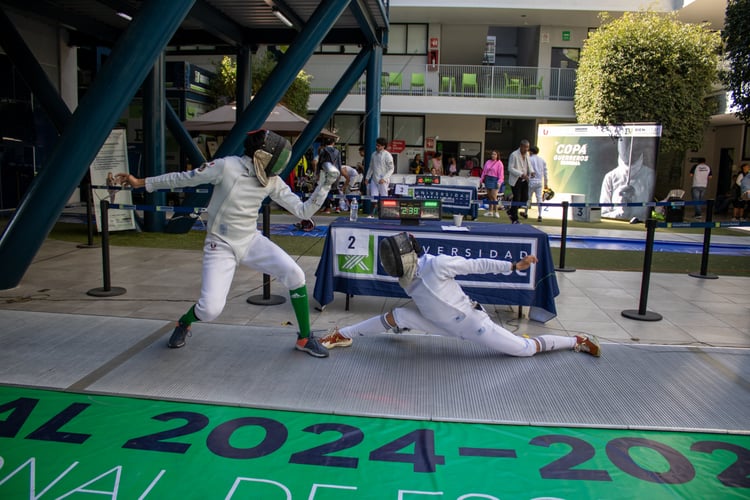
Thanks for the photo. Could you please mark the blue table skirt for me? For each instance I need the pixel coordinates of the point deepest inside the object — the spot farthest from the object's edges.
(362, 275)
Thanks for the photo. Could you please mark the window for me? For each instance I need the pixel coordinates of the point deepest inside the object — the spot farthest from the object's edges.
(406, 128)
(397, 39)
(347, 127)
(407, 39)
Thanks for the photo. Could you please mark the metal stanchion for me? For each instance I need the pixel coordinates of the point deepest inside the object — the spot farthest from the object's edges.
(642, 314)
(706, 245)
(266, 299)
(107, 290)
(563, 238)
(89, 219)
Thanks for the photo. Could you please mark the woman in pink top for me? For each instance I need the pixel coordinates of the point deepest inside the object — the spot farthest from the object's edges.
(493, 176)
(437, 164)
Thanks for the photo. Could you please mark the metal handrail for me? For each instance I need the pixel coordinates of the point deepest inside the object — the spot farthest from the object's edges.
(456, 80)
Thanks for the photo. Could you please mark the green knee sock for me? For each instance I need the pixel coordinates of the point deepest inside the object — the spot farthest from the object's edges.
(189, 317)
(301, 310)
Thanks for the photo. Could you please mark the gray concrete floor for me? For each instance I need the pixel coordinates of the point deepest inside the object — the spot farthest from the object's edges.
(117, 344)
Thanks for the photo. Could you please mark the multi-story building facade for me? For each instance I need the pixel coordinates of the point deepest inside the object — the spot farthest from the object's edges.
(458, 77)
(465, 78)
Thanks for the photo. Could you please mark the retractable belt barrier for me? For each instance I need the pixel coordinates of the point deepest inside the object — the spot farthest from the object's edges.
(651, 225)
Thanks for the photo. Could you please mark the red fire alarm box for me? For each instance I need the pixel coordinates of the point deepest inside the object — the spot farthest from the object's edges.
(433, 56)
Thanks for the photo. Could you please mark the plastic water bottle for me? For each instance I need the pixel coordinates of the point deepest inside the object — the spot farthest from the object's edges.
(353, 210)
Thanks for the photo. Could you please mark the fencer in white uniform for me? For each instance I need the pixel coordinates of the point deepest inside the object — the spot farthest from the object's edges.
(232, 238)
(441, 307)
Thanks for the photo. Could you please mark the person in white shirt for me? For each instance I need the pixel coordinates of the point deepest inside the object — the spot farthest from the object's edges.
(241, 183)
(379, 173)
(348, 184)
(441, 307)
(701, 174)
(518, 177)
(537, 178)
(743, 176)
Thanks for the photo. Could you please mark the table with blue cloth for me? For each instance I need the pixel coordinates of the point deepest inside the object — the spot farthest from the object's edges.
(350, 263)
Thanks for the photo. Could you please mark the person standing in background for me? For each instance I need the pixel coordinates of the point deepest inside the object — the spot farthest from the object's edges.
(739, 202)
(537, 178)
(518, 177)
(417, 164)
(379, 173)
(452, 167)
(701, 175)
(329, 153)
(436, 164)
(493, 177)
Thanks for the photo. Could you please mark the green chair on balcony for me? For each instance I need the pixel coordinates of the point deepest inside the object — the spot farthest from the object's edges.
(447, 84)
(512, 86)
(394, 81)
(469, 82)
(417, 83)
(538, 89)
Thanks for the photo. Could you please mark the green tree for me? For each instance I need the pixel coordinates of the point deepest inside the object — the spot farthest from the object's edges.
(224, 86)
(736, 37)
(649, 67)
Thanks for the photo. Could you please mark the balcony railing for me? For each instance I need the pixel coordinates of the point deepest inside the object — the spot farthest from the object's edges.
(510, 82)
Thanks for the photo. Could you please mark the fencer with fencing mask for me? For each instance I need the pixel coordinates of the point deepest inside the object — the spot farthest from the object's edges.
(441, 307)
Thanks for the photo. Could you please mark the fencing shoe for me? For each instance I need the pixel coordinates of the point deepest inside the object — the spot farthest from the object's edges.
(180, 333)
(311, 346)
(334, 338)
(588, 344)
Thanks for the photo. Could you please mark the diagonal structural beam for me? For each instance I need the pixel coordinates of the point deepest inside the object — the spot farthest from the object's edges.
(328, 108)
(33, 74)
(130, 61)
(216, 23)
(366, 22)
(284, 74)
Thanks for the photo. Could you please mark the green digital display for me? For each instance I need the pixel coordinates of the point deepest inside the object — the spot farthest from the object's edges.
(408, 209)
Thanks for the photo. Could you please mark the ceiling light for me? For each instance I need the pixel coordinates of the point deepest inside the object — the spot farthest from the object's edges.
(125, 16)
(282, 17)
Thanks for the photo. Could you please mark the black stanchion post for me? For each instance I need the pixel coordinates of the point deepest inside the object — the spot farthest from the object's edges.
(642, 314)
(107, 290)
(266, 299)
(706, 244)
(89, 219)
(563, 238)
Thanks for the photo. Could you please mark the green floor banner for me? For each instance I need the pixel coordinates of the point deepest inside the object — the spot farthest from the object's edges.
(68, 445)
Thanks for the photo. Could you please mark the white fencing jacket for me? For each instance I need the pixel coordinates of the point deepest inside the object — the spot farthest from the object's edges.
(237, 197)
(440, 298)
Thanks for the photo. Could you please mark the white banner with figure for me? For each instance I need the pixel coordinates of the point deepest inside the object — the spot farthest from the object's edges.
(111, 160)
(605, 164)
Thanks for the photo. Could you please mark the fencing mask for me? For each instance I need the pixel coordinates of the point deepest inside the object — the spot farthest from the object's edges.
(398, 255)
(270, 153)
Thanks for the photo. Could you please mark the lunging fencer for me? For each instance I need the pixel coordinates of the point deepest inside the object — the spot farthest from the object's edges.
(441, 307)
(241, 183)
